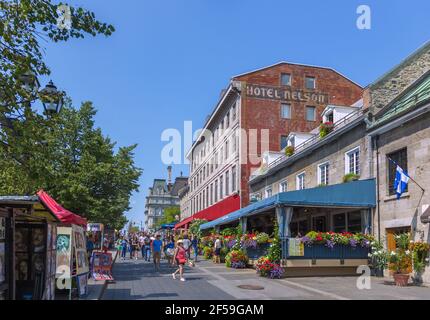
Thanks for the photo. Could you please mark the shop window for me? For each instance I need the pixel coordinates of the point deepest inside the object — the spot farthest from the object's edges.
(299, 228)
(285, 111)
(310, 113)
(319, 223)
(401, 158)
(285, 79)
(310, 83)
(347, 222)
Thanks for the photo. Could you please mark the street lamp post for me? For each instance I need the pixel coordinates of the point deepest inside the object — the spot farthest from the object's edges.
(51, 98)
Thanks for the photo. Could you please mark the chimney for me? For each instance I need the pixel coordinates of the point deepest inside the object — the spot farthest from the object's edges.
(169, 174)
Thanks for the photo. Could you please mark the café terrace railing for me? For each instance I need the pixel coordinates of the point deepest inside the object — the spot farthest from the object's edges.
(311, 141)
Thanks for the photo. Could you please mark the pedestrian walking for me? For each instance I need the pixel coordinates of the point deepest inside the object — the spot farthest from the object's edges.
(142, 245)
(118, 246)
(195, 245)
(124, 245)
(169, 249)
(217, 250)
(135, 244)
(180, 257)
(187, 245)
(147, 248)
(157, 246)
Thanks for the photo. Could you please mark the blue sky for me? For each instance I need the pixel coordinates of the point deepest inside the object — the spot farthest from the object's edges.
(168, 60)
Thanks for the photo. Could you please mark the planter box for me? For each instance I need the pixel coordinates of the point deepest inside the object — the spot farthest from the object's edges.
(319, 251)
(260, 251)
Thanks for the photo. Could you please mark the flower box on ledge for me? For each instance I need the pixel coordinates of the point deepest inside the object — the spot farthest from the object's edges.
(341, 252)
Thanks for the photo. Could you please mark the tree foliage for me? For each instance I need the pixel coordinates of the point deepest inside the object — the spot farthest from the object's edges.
(168, 216)
(74, 162)
(24, 26)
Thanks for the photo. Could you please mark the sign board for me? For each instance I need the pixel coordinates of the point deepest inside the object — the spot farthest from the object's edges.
(95, 227)
(101, 265)
(64, 250)
(80, 249)
(286, 94)
(296, 248)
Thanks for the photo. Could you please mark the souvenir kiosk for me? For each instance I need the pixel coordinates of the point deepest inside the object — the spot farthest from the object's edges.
(27, 249)
(96, 232)
(72, 261)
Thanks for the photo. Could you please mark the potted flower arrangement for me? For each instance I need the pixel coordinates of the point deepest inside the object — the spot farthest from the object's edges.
(379, 258)
(350, 177)
(236, 259)
(262, 238)
(326, 128)
(207, 253)
(420, 252)
(289, 151)
(266, 268)
(400, 260)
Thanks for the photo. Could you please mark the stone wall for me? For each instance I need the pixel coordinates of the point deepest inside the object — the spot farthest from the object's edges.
(415, 136)
(380, 94)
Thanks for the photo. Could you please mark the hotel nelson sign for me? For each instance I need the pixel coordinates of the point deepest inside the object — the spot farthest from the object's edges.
(285, 94)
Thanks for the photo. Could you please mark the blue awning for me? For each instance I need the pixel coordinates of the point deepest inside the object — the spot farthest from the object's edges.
(356, 194)
(168, 225)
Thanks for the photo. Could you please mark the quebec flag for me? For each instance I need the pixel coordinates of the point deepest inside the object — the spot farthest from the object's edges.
(401, 181)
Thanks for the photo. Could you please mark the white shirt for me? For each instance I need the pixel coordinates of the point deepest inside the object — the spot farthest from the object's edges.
(186, 243)
(217, 244)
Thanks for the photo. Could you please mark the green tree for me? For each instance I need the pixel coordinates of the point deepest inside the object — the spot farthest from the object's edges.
(74, 162)
(275, 251)
(169, 216)
(24, 26)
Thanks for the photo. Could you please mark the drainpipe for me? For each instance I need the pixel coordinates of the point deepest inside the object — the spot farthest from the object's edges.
(377, 187)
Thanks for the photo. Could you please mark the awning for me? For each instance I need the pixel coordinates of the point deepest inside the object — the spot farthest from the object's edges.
(356, 194)
(64, 215)
(230, 204)
(168, 226)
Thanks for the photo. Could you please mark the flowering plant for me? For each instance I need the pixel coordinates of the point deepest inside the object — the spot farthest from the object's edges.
(378, 255)
(289, 151)
(326, 128)
(262, 238)
(267, 268)
(400, 260)
(234, 257)
(330, 239)
(420, 251)
(207, 252)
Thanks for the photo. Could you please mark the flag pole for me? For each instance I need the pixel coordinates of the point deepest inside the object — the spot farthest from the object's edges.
(423, 190)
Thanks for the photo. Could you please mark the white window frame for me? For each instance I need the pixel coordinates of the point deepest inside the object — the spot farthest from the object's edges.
(315, 113)
(319, 173)
(280, 186)
(306, 82)
(298, 186)
(282, 110)
(347, 159)
(266, 192)
(290, 79)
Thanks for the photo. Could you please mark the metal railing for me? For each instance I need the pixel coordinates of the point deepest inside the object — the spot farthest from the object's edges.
(314, 139)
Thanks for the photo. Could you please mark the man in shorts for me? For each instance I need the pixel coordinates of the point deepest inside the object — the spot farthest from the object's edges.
(157, 247)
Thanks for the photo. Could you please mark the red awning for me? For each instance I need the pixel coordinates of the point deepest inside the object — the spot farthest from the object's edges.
(62, 214)
(216, 211)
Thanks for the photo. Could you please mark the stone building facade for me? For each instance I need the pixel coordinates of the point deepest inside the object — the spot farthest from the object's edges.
(400, 129)
(163, 194)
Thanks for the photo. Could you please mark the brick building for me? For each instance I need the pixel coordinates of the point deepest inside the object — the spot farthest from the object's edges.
(255, 114)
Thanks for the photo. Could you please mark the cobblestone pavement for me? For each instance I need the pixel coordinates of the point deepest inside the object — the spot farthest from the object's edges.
(137, 280)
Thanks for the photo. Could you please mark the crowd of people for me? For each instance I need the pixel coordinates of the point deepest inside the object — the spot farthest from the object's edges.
(143, 245)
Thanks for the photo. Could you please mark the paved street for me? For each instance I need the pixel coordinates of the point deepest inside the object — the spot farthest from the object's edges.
(137, 280)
